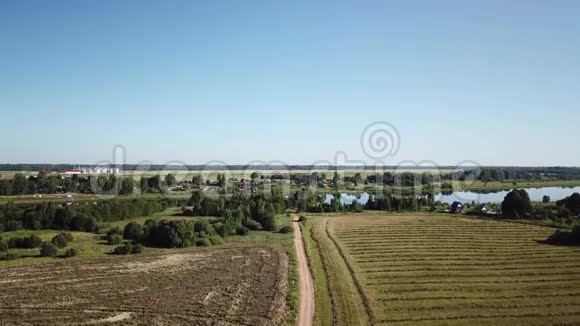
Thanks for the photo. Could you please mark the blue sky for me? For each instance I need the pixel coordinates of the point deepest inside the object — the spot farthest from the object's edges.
(496, 82)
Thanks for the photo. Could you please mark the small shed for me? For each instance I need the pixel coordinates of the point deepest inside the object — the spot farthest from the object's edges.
(483, 209)
(457, 208)
(244, 184)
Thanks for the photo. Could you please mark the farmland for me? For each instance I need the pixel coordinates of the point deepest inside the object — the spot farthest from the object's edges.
(439, 269)
(243, 286)
(58, 286)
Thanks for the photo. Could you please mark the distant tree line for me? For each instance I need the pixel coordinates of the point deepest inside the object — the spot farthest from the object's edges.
(54, 183)
(79, 217)
(415, 179)
(305, 200)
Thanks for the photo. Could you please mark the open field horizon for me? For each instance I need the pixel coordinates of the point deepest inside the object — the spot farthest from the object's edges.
(290, 163)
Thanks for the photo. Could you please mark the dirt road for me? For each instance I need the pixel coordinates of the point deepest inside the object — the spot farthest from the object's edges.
(306, 309)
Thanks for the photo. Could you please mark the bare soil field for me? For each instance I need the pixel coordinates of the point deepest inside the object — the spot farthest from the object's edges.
(245, 286)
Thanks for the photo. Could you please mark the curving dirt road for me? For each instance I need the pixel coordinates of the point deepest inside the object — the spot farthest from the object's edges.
(306, 309)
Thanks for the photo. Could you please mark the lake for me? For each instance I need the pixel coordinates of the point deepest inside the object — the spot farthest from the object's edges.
(536, 194)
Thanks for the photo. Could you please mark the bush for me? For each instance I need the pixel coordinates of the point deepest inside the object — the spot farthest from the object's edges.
(123, 250)
(114, 239)
(71, 252)
(136, 249)
(187, 212)
(9, 256)
(68, 236)
(302, 218)
(269, 223)
(30, 242)
(242, 230)
(48, 250)
(286, 229)
(203, 242)
(127, 249)
(216, 240)
(220, 228)
(203, 226)
(569, 238)
(34, 241)
(82, 223)
(115, 231)
(133, 231)
(252, 224)
(60, 240)
(3, 245)
(13, 226)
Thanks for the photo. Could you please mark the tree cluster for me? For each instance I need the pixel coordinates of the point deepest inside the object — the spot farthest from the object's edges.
(81, 217)
(53, 184)
(178, 234)
(571, 203)
(306, 201)
(240, 208)
(567, 238)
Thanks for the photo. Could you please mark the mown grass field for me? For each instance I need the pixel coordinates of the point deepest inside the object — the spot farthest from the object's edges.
(448, 270)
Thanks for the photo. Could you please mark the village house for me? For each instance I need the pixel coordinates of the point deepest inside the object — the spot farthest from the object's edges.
(457, 208)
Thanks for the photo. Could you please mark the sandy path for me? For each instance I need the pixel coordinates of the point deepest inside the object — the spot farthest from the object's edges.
(306, 310)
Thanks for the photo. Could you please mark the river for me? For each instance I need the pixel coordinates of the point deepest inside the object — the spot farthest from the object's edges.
(536, 194)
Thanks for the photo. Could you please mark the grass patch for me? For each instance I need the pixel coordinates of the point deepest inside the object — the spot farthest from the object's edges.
(324, 315)
(444, 269)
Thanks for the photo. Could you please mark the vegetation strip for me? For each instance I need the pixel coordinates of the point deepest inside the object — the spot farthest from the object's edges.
(357, 282)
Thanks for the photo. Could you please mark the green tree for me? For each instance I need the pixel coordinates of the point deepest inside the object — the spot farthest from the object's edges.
(144, 185)
(154, 183)
(127, 186)
(170, 180)
(572, 203)
(133, 231)
(20, 184)
(71, 252)
(48, 250)
(516, 204)
(3, 245)
(60, 240)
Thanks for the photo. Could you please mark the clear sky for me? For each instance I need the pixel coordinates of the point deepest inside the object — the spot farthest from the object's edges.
(496, 82)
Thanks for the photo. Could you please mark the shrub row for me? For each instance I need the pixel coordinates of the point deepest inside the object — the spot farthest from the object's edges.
(80, 217)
